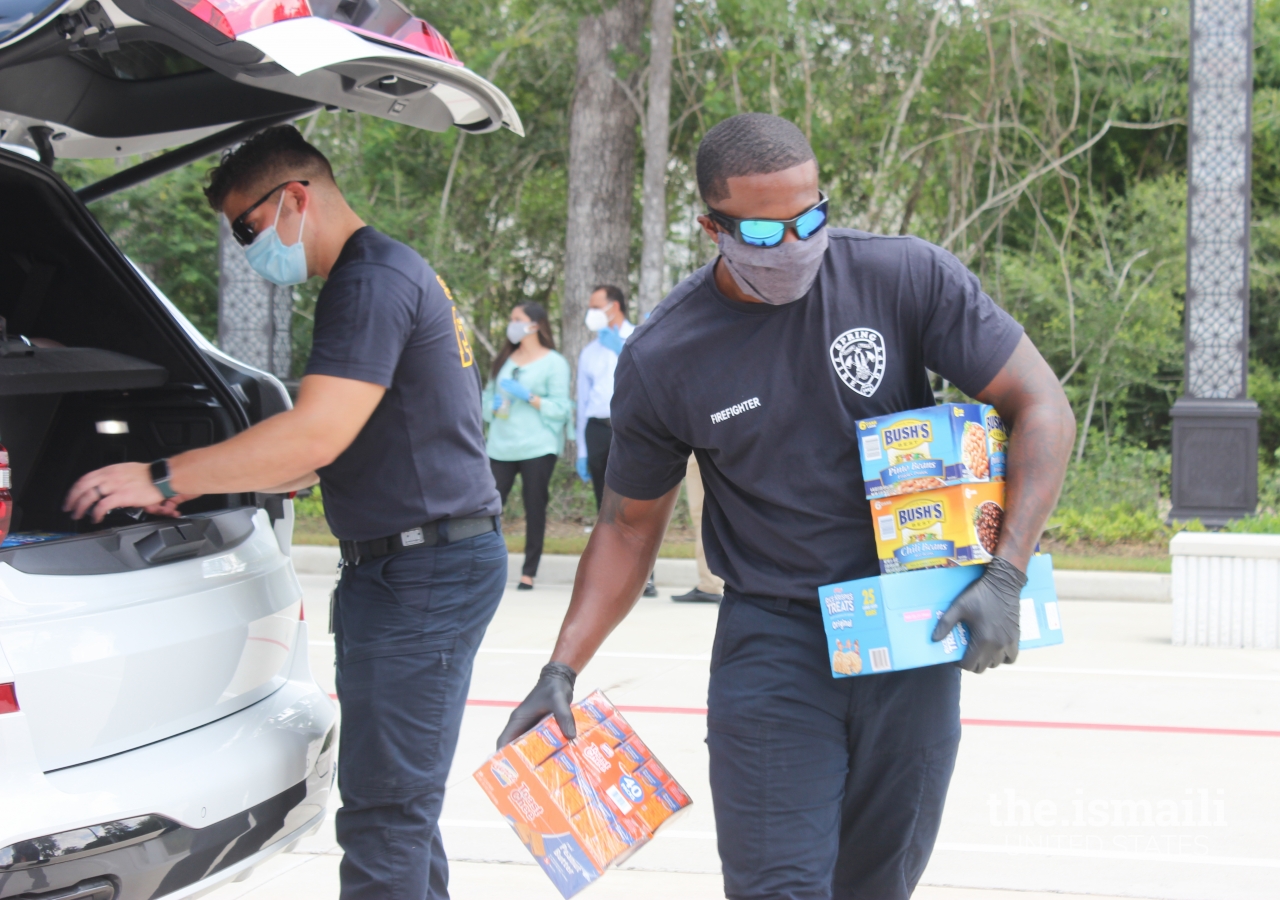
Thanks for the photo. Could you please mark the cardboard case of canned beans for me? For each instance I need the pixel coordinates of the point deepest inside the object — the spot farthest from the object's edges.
(935, 481)
(584, 805)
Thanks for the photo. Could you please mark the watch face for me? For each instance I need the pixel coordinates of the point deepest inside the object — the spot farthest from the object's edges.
(159, 470)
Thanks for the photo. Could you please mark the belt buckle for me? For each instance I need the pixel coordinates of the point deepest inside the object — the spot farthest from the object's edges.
(412, 537)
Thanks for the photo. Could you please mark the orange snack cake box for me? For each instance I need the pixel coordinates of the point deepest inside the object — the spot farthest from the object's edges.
(581, 806)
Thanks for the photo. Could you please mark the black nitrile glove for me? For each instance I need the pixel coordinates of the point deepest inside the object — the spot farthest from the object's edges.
(991, 609)
(552, 694)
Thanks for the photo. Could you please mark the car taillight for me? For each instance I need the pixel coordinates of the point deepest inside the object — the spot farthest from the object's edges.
(233, 17)
(422, 36)
(8, 699)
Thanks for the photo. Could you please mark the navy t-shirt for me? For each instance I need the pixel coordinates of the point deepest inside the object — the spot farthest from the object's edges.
(385, 317)
(768, 397)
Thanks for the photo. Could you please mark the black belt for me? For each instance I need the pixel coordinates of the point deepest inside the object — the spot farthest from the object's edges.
(607, 423)
(433, 534)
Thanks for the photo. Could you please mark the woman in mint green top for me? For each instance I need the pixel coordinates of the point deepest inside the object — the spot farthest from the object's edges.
(527, 406)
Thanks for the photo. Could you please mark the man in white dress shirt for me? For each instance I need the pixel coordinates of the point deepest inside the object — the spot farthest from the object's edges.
(607, 317)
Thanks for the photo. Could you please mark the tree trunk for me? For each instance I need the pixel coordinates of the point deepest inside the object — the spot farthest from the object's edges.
(602, 164)
(654, 223)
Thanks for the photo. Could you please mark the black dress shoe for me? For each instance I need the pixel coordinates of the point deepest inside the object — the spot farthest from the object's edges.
(521, 586)
(696, 596)
(650, 589)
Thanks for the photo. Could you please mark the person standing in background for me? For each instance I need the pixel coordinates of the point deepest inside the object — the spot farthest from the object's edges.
(527, 406)
(607, 317)
(710, 587)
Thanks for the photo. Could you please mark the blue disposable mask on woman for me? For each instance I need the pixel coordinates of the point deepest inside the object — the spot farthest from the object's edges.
(270, 258)
(516, 331)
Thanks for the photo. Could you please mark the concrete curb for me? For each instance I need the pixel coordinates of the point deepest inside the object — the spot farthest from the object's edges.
(1141, 587)
(554, 570)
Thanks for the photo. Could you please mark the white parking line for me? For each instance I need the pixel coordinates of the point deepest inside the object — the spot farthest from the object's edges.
(1193, 859)
(1141, 673)
(1010, 850)
(478, 823)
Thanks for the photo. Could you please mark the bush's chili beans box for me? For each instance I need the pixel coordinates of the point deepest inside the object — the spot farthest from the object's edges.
(581, 806)
(885, 623)
(952, 526)
(926, 449)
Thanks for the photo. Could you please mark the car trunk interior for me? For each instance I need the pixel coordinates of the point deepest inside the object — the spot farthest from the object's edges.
(112, 378)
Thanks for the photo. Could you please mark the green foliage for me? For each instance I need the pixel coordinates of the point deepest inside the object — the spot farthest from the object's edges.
(1107, 526)
(309, 504)
(487, 211)
(573, 500)
(1042, 141)
(1113, 498)
(1128, 479)
(1266, 523)
(167, 229)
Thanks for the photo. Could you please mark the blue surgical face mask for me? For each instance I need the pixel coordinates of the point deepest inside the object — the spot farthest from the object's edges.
(516, 331)
(275, 262)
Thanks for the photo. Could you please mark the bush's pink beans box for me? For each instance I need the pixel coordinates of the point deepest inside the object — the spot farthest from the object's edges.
(885, 623)
(926, 449)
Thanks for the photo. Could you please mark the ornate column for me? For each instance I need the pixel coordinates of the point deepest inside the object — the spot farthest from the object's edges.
(254, 315)
(1215, 424)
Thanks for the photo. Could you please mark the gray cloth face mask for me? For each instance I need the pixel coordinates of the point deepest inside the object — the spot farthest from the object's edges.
(775, 275)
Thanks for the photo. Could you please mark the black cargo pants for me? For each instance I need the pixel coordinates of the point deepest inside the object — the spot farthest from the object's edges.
(407, 627)
(823, 787)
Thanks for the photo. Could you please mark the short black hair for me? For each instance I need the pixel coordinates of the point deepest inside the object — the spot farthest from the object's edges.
(274, 155)
(748, 144)
(614, 293)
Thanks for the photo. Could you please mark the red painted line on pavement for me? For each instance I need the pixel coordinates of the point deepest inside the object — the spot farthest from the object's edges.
(988, 723)
(675, 710)
(671, 710)
(1109, 726)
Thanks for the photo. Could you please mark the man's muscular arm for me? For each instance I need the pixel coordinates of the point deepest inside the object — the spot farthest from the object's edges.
(613, 571)
(1042, 430)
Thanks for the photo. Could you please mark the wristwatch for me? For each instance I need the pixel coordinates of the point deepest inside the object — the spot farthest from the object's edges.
(160, 478)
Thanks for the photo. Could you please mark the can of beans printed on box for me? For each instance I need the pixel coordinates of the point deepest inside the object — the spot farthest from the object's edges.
(925, 449)
(952, 526)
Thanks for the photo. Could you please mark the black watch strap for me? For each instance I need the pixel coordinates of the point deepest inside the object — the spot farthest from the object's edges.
(160, 478)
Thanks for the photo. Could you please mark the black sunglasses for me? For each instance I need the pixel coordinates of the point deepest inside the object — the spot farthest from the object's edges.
(244, 233)
(770, 232)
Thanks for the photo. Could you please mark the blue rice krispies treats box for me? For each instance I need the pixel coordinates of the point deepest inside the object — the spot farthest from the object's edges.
(885, 623)
(926, 449)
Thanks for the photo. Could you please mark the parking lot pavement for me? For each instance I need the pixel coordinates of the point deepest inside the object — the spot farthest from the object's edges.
(1113, 765)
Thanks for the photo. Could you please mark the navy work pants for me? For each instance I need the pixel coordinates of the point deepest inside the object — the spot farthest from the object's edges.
(406, 631)
(823, 787)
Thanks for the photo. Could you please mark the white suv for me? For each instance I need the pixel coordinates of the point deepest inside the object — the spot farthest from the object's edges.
(160, 732)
